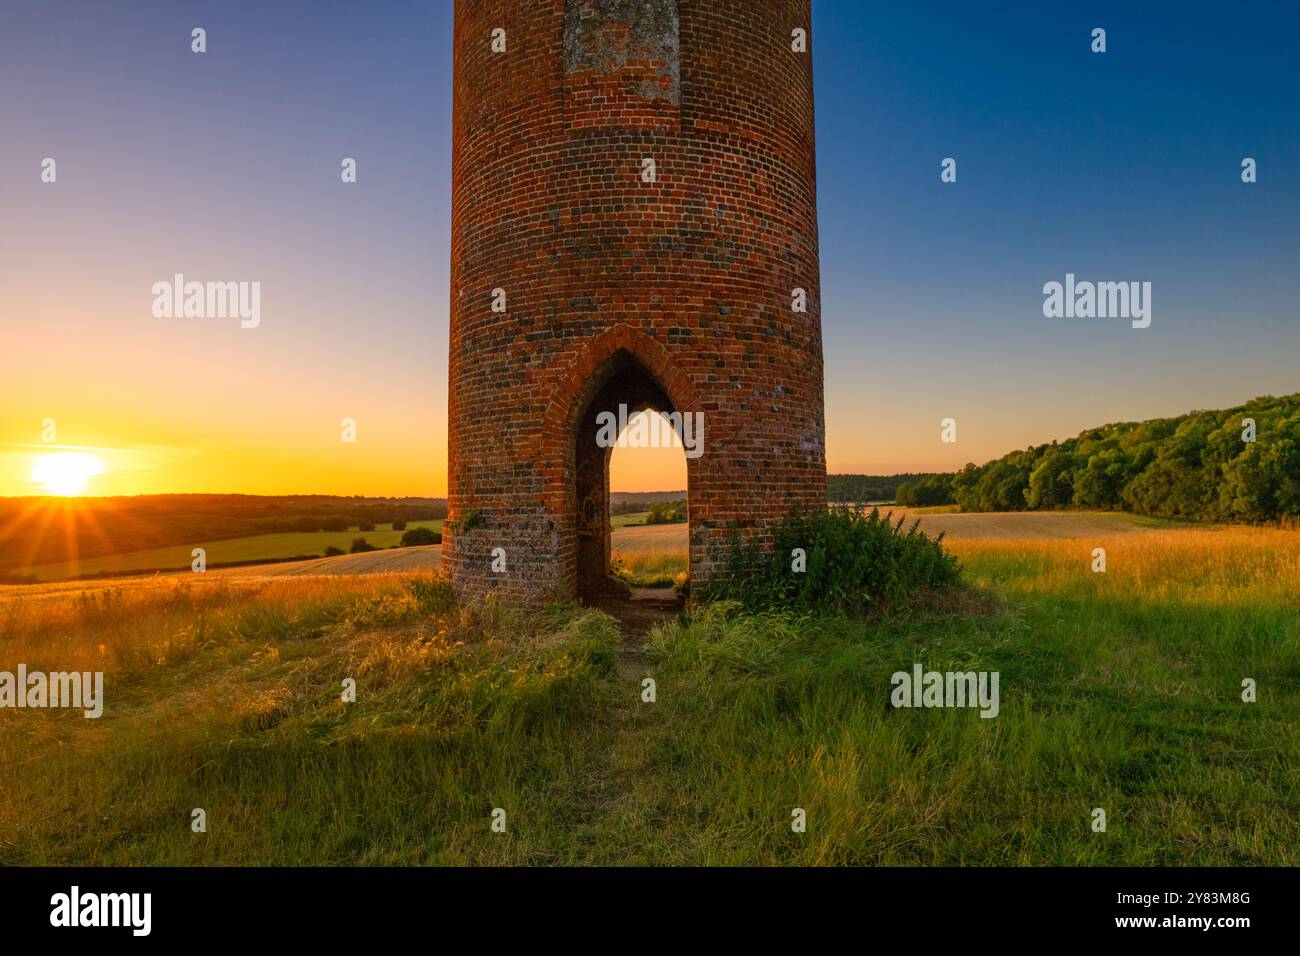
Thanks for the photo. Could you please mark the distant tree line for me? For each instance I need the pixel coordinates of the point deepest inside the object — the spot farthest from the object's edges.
(1239, 464)
(859, 489)
(927, 491)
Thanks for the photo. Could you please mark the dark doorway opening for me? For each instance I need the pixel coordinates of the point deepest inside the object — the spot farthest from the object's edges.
(627, 389)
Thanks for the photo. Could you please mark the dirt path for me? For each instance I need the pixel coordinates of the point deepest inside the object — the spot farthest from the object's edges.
(636, 618)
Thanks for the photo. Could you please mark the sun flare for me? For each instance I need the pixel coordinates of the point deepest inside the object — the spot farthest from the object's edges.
(66, 472)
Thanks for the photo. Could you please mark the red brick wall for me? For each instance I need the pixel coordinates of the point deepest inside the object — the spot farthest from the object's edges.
(691, 275)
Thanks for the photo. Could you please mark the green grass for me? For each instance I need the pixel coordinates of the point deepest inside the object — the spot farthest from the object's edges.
(1119, 691)
(650, 568)
(1132, 710)
(254, 548)
(622, 521)
(636, 518)
(226, 697)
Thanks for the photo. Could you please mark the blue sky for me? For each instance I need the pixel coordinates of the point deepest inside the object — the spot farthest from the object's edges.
(1116, 166)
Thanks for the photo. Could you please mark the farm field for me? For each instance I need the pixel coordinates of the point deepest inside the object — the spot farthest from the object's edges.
(631, 539)
(653, 554)
(1009, 525)
(1120, 690)
(622, 521)
(659, 548)
(635, 518)
(1001, 526)
(288, 545)
(648, 551)
(254, 548)
(650, 555)
(651, 537)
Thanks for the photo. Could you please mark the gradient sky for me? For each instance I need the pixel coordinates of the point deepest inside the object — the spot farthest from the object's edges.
(1119, 166)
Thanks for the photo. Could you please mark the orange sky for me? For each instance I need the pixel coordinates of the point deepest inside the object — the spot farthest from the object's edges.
(381, 462)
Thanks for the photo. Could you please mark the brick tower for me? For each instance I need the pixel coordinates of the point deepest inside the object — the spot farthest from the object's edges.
(634, 222)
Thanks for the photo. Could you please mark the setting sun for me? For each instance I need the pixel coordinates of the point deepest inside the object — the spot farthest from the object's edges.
(67, 472)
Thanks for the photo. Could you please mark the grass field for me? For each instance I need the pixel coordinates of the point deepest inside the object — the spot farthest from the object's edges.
(649, 567)
(622, 521)
(1119, 690)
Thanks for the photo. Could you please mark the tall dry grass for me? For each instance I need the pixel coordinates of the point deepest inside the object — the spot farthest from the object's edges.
(1214, 566)
(148, 623)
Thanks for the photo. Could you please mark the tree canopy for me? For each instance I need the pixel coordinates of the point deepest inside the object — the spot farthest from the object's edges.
(1237, 464)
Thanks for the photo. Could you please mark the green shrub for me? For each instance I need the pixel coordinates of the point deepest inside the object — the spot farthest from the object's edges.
(854, 563)
(418, 536)
(666, 512)
(331, 551)
(399, 524)
(360, 545)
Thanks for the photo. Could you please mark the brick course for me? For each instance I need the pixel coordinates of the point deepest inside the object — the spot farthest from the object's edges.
(674, 294)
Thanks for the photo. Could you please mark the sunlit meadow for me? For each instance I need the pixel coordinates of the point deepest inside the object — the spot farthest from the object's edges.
(1120, 690)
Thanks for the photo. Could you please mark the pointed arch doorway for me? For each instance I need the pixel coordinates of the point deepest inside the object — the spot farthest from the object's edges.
(628, 389)
(621, 366)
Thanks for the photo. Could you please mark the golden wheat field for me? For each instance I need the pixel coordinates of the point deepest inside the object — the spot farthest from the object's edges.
(1204, 565)
(1015, 525)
